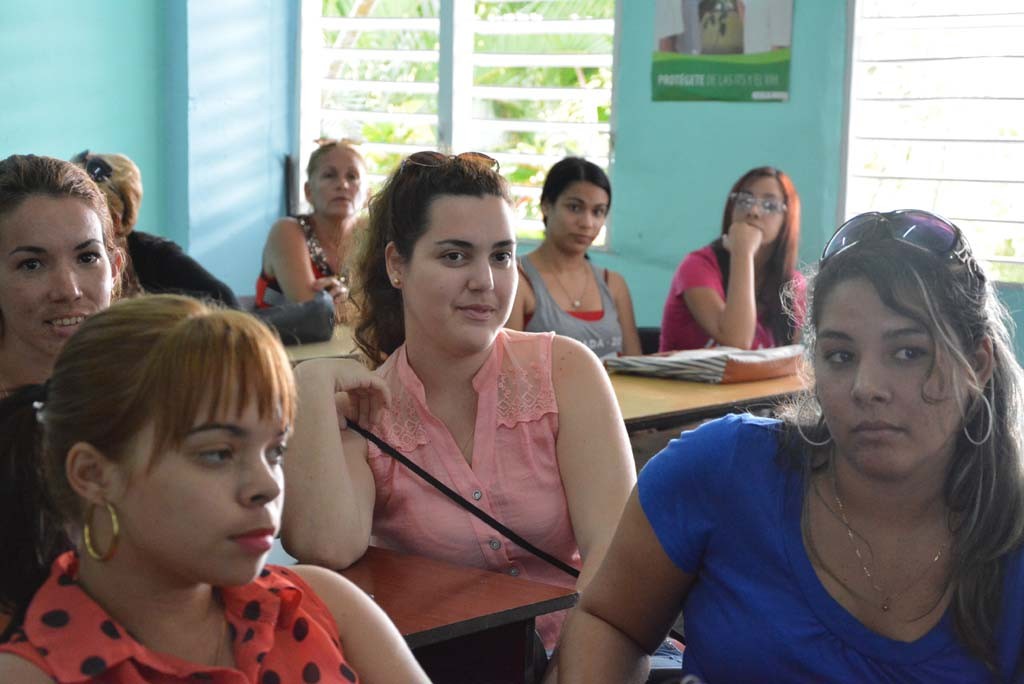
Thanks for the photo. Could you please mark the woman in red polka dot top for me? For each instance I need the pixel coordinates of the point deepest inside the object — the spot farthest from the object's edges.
(156, 448)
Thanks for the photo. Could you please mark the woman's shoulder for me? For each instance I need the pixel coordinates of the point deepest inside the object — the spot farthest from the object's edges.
(736, 443)
(522, 341)
(704, 255)
(286, 228)
(288, 223)
(698, 261)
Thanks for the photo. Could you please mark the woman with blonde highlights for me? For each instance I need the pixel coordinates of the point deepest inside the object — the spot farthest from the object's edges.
(59, 262)
(157, 445)
(311, 253)
(523, 425)
(875, 534)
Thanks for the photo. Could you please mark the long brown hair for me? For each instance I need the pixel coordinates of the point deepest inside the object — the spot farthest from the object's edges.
(159, 358)
(984, 485)
(780, 268)
(398, 214)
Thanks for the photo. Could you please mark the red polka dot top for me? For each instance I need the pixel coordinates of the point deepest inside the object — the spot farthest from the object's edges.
(280, 631)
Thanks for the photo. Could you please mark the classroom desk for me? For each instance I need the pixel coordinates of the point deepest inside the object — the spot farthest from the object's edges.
(465, 625)
(646, 403)
(658, 404)
(340, 344)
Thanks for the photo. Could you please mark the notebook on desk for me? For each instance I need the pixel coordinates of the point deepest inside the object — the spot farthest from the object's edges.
(715, 365)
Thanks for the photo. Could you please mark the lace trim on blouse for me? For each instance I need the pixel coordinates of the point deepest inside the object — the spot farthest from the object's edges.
(404, 428)
(525, 394)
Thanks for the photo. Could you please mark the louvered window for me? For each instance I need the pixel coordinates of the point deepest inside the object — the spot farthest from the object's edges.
(937, 118)
(525, 82)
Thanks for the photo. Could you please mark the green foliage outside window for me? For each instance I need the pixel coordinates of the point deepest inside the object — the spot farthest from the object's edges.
(552, 144)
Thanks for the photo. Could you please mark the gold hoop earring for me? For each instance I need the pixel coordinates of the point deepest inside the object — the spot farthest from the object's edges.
(87, 533)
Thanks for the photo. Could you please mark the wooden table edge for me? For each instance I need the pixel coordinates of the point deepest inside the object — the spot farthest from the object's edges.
(667, 419)
(479, 624)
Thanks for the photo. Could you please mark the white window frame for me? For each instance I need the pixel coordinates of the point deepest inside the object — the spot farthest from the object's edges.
(456, 92)
(851, 128)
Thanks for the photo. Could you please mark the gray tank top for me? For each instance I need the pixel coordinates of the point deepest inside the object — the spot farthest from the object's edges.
(603, 336)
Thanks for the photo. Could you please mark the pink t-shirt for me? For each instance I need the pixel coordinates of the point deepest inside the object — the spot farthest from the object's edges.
(514, 476)
(680, 330)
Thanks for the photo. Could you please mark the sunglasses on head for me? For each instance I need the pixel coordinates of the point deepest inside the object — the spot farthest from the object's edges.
(430, 159)
(97, 167)
(916, 227)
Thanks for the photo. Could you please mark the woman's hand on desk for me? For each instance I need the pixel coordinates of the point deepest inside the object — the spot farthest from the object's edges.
(337, 287)
(359, 394)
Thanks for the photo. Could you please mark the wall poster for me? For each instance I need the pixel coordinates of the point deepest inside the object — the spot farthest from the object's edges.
(733, 50)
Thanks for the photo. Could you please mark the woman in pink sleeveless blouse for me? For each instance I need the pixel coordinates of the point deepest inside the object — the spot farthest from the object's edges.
(524, 425)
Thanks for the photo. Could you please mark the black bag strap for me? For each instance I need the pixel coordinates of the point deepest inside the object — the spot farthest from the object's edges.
(461, 501)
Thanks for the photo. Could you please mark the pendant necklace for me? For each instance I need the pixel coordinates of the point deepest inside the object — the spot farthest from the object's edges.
(887, 598)
(576, 302)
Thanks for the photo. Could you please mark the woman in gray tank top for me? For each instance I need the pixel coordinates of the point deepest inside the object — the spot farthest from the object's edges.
(560, 290)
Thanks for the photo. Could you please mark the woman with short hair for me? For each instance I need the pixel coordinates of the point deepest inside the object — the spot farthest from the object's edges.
(157, 446)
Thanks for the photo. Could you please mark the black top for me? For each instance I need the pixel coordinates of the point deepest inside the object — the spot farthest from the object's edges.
(163, 267)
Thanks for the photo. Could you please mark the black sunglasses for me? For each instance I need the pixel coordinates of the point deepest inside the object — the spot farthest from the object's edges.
(97, 167)
(916, 227)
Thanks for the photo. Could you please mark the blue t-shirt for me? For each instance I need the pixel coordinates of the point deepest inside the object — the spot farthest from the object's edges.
(724, 510)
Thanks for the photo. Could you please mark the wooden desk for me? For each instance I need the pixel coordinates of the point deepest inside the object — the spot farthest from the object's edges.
(340, 344)
(657, 403)
(465, 625)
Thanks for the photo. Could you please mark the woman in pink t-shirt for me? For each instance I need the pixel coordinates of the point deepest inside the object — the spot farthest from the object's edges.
(731, 292)
(523, 425)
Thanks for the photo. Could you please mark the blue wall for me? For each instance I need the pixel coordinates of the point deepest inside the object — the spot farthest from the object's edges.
(199, 94)
(241, 114)
(202, 96)
(675, 161)
(93, 74)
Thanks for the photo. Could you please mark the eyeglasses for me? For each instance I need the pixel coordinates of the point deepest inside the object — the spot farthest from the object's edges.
(746, 201)
(431, 159)
(921, 229)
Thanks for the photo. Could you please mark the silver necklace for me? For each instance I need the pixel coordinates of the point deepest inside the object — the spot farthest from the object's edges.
(576, 302)
(887, 598)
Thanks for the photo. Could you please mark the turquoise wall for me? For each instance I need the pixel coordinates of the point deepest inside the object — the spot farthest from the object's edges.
(199, 94)
(202, 96)
(675, 161)
(93, 74)
(241, 114)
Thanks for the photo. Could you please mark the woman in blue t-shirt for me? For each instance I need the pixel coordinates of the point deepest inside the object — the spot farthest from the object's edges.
(875, 535)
